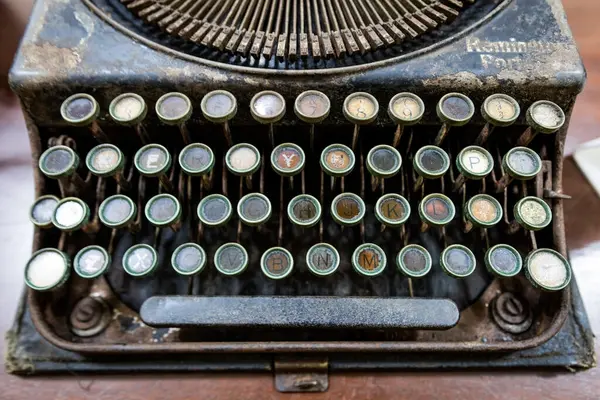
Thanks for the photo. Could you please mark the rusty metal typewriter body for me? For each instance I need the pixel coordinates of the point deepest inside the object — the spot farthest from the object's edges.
(365, 184)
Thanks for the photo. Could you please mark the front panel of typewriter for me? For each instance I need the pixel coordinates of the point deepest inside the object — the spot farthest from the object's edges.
(411, 204)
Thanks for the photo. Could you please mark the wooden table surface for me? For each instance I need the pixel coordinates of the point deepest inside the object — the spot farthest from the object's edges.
(583, 235)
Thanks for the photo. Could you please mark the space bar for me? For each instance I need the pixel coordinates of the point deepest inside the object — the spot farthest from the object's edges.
(299, 312)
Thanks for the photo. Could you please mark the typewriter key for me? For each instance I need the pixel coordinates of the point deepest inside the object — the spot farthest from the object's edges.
(91, 262)
(347, 209)
(405, 109)
(154, 160)
(503, 261)
(473, 162)
(130, 109)
(532, 213)
(214, 210)
(458, 261)
(322, 259)
(360, 108)
(304, 210)
(313, 107)
(287, 159)
(243, 160)
(453, 109)
(231, 259)
(197, 159)
(392, 210)
(437, 210)
(107, 160)
(140, 260)
(277, 263)
(414, 261)
(117, 211)
(163, 210)
(430, 162)
(175, 109)
(40, 213)
(337, 160)
(547, 269)
(268, 107)
(220, 106)
(542, 117)
(498, 110)
(383, 161)
(71, 214)
(254, 209)
(483, 211)
(369, 259)
(188, 259)
(61, 162)
(82, 110)
(520, 163)
(47, 269)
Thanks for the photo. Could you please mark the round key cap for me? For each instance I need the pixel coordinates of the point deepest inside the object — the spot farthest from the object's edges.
(59, 162)
(483, 210)
(163, 210)
(384, 161)
(312, 106)
(128, 109)
(347, 209)
(140, 260)
(254, 209)
(71, 214)
(40, 213)
(545, 116)
(91, 262)
(414, 261)
(277, 263)
(242, 159)
(188, 259)
(105, 160)
(287, 159)
(304, 210)
(436, 209)
(503, 261)
(500, 110)
(174, 108)
(522, 163)
(152, 160)
(548, 270)
(458, 261)
(474, 162)
(455, 109)
(337, 160)
(214, 210)
(322, 259)
(47, 269)
(406, 109)
(369, 259)
(219, 106)
(532, 213)
(360, 108)
(231, 259)
(196, 159)
(267, 107)
(392, 209)
(431, 162)
(117, 211)
(80, 109)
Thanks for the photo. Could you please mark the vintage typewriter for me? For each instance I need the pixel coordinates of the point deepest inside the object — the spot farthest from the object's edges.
(298, 186)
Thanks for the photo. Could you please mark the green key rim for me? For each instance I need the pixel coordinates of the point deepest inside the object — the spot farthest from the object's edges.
(218, 118)
(516, 174)
(241, 269)
(390, 222)
(427, 173)
(118, 166)
(540, 285)
(286, 253)
(257, 222)
(312, 119)
(523, 222)
(86, 120)
(496, 272)
(161, 224)
(68, 171)
(178, 120)
(150, 270)
(540, 127)
(316, 271)
(344, 221)
(402, 119)
(133, 120)
(100, 271)
(357, 120)
(247, 171)
(340, 147)
(60, 282)
(361, 270)
(125, 222)
(305, 224)
(203, 203)
(44, 225)
(483, 224)
(500, 122)
(445, 118)
(287, 172)
(80, 224)
(405, 270)
(196, 172)
(261, 118)
(451, 210)
(446, 268)
(465, 170)
(143, 170)
(195, 271)
(379, 172)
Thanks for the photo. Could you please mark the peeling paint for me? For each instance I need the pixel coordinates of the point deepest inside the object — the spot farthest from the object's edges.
(51, 57)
